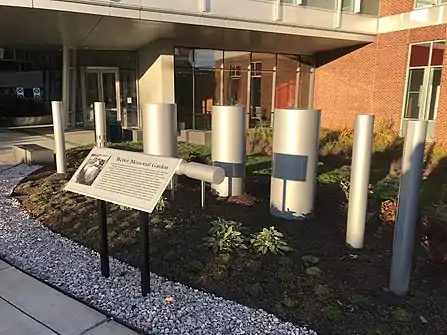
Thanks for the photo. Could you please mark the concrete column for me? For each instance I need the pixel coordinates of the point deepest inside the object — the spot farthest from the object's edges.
(407, 210)
(100, 124)
(228, 137)
(359, 183)
(294, 165)
(59, 136)
(156, 73)
(65, 84)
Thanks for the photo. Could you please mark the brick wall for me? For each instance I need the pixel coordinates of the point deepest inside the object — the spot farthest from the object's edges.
(372, 79)
(392, 7)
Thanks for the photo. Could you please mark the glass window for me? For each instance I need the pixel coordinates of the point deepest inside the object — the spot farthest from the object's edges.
(415, 83)
(437, 54)
(420, 55)
(240, 58)
(325, 4)
(287, 81)
(207, 59)
(423, 3)
(424, 81)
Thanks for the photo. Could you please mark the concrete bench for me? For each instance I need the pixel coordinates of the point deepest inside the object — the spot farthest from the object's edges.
(33, 154)
(202, 137)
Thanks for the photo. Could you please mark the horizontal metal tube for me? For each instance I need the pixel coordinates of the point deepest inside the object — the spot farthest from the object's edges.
(206, 173)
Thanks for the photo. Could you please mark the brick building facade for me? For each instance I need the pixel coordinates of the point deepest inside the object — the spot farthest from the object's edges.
(372, 78)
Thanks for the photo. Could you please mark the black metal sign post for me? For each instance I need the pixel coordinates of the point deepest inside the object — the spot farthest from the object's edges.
(103, 241)
(144, 253)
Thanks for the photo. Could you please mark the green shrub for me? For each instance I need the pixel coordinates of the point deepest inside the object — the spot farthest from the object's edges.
(334, 176)
(226, 236)
(162, 204)
(269, 240)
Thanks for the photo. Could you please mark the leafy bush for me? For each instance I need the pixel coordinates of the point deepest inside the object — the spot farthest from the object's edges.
(162, 204)
(334, 176)
(226, 236)
(260, 140)
(269, 240)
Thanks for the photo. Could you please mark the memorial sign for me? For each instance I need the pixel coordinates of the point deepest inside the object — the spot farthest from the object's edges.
(126, 178)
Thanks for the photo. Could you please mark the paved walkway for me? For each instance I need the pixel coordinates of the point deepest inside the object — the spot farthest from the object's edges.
(41, 136)
(29, 307)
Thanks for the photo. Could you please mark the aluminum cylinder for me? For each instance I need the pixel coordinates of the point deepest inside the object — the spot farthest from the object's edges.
(294, 164)
(407, 209)
(59, 136)
(228, 142)
(206, 173)
(160, 129)
(359, 183)
(100, 124)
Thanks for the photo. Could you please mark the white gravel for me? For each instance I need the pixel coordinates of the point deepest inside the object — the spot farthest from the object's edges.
(76, 269)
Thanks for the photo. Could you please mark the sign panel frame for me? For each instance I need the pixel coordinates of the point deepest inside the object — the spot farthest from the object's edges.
(125, 178)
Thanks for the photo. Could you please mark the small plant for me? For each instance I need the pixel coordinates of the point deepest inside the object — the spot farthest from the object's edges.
(253, 289)
(400, 315)
(314, 271)
(388, 211)
(310, 260)
(269, 240)
(322, 291)
(345, 186)
(226, 236)
(34, 198)
(162, 204)
(289, 302)
(333, 313)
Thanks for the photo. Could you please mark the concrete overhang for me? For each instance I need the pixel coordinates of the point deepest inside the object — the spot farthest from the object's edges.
(32, 26)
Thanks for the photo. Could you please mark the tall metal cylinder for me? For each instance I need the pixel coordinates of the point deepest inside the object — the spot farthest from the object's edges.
(100, 124)
(228, 138)
(359, 183)
(407, 209)
(160, 129)
(295, 161)
(59, 136)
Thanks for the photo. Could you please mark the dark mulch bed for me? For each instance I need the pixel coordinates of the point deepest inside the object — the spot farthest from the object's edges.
(347, 294)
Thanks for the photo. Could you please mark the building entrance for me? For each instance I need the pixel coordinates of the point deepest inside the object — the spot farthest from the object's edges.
(100, 84)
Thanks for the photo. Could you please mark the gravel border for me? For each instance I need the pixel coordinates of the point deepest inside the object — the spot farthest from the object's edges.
(75, 269)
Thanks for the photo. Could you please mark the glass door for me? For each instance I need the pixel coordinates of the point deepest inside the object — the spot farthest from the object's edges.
(101, 85)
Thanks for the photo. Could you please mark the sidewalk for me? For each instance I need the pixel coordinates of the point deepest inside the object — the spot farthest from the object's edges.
(29, 307)
(40, 136)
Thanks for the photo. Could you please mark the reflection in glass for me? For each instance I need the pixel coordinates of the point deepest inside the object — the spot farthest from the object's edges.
(205, 96)
(416, 79)
(128, 95)
(240, 58)
(261, 99)
(437, 56)
(268, 60)
(420, 54)
(109, 92)
(92, 91)
(235, 86)
(207, 59)
(433, 92)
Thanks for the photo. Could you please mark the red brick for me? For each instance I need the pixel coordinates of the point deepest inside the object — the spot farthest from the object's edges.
(372, 78)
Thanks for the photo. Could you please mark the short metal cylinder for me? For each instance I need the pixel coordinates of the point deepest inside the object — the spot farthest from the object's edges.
(359, 183)
(59, 136)
(160, 129)
(100, 124)
(228, 137)
(295, 161)
(206, 173)
(407, 210)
